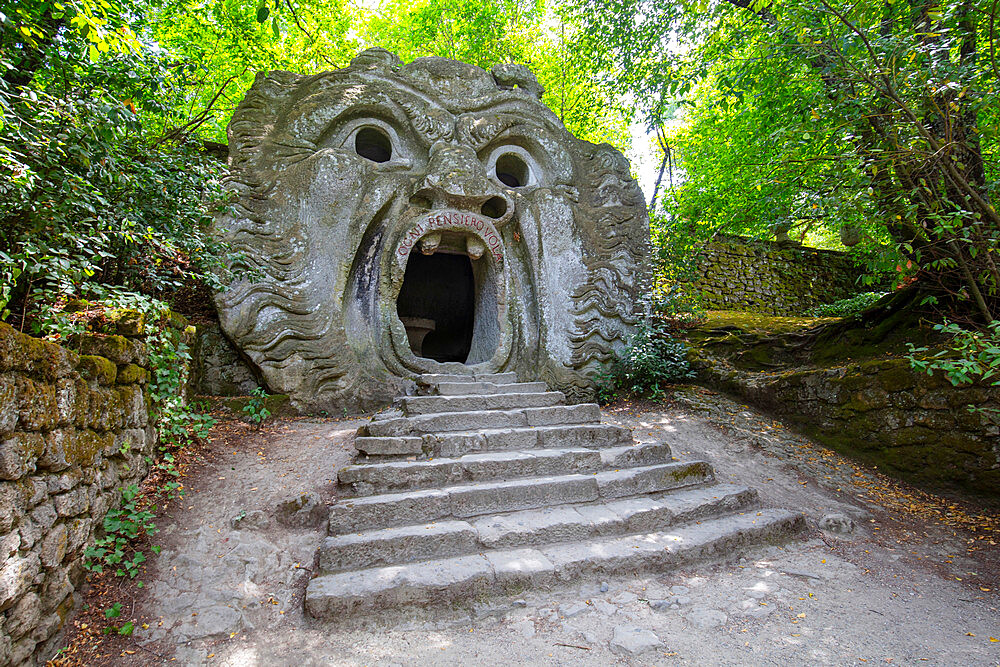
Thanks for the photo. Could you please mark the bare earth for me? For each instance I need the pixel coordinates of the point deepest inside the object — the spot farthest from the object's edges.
(899, 590)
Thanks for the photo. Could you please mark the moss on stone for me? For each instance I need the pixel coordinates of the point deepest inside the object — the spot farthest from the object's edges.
(758, 323)
(116, 348)
(896, 378)
(131, 374)
(128, 322)
(93, 367)
(33, 356)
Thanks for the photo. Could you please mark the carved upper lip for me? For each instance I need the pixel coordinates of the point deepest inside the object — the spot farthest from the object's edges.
(454, 231)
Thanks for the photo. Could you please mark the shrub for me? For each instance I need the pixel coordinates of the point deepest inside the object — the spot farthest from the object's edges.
(647, 365)
(847, 307)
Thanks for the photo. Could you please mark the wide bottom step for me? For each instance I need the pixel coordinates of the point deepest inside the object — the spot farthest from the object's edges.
(451, 580)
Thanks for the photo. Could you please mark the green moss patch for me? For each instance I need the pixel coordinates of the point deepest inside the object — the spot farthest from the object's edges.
(93, 367)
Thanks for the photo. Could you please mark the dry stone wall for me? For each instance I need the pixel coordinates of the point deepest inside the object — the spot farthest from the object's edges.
(75, 428)
(217, 369)
(772, 278)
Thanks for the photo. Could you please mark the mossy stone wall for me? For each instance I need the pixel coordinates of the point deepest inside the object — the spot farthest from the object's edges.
(772, 278)
(74, 429)
(907, 423)
(217, 368)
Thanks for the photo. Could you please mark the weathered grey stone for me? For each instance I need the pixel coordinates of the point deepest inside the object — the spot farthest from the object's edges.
(573, 609)
(553, 229)
(837, 522)
(531, 527)
(72, 502)
(521, 568)
(305, 510)
(8, 405)
(396, 545)
(649, 479)
(18, 454)
(218, 369)
(642, 454)
(525, 628)
(252, 520)
(706, 618)
(211, 622)
(530, 493)
(16, 576)
(389, 446)
(632, 640)
(23, 616)
(352, 515)
(54, 546)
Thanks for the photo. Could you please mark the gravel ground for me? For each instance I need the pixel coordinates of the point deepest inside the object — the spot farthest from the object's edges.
(901, 588)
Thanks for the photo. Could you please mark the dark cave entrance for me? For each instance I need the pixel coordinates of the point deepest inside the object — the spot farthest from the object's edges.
(437, 305)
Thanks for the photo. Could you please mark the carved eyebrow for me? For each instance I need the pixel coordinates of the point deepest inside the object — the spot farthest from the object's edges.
(480, 131)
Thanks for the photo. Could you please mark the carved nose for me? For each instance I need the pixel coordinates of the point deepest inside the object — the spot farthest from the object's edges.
(456, 179)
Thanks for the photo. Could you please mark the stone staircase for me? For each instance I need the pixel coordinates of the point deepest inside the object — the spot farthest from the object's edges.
(485, 485)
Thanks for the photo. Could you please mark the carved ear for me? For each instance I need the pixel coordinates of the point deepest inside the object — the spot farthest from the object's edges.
(510, 75)
(257, 114)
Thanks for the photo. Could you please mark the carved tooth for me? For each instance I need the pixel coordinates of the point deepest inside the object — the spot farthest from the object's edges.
(474, 247)
(430, 243)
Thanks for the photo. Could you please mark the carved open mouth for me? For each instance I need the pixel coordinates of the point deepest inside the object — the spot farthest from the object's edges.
(448, 288)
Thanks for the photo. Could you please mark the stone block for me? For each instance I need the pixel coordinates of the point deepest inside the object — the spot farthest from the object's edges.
(133, 403)
(44, 360)
(23, 616)
(17, 574)
(19, 453)
(72, 502)
(57, 588)
(117, 349)
(13, 502)
(21, 650)
(8, 404)
(44, 515)
(97, 369)
(132, 374)
(54, 546)
(30, 533)
(36, 404)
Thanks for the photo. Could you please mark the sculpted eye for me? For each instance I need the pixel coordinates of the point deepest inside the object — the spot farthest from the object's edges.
(512, 170)
(373, 144)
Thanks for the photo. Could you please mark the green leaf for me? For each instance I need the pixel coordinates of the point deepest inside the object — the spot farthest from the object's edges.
(262, 13)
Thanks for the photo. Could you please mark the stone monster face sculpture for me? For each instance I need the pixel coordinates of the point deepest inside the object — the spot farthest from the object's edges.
(428, 217)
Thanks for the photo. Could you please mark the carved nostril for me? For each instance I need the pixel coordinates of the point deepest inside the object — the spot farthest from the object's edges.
(495, 207)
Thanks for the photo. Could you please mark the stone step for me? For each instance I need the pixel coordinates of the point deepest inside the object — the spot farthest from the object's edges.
(490, 497)
(426, 405)
(483, 419)
(451, 580)
(368, 478)
(457, 388)
(549, 525)
(431, 379)
(594, 436)
(458, 443)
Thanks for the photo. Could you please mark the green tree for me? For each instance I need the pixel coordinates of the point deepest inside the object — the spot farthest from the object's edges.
(830, 113)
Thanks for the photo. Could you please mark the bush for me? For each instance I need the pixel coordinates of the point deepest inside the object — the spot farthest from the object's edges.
(647, 365)
(847, 307)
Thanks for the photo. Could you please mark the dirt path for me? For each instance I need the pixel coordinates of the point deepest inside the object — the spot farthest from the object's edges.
(902, 588)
